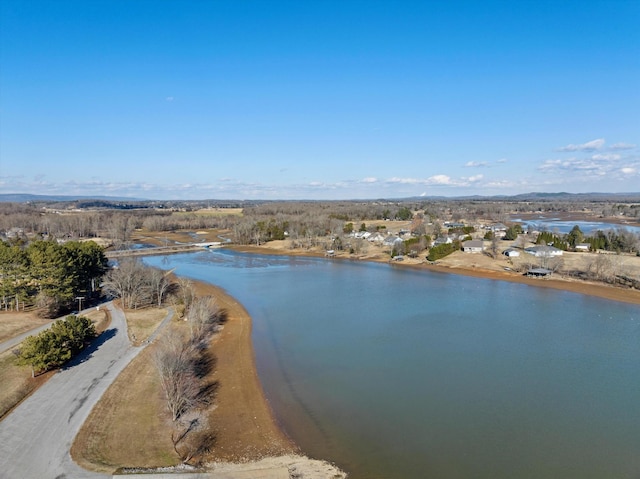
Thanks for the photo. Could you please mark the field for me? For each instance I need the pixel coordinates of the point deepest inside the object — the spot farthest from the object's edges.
(143, 322)
(12, 324)
(216, 212)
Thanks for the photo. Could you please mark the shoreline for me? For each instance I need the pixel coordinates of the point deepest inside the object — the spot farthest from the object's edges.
(600, 290)
(248, 435)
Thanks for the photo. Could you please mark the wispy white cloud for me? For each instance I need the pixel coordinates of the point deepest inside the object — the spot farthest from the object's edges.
(605, 157)
(593, 167)
(476, 164)
(622, 146)
(588, 146)
(438, 180)
(369, 180)
(501, 184)
(11, 177)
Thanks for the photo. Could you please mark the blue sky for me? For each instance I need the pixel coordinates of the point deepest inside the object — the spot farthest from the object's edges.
(318, 99)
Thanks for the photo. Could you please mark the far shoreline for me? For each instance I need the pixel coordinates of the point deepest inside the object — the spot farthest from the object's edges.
(594, 289)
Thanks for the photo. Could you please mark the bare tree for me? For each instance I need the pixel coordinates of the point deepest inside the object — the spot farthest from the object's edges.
(128, 281)
(120, 229)
(521, 241)
(202, 316)
(159, 283)
(137, 284)
(174, 361)
(187, 292)
(193, 439)
(601, 267)
(495, 246)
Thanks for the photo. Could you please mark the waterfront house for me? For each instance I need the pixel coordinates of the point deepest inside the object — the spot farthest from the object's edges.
(473, 246)
(543, 251)
(376, 237)
(443, 240)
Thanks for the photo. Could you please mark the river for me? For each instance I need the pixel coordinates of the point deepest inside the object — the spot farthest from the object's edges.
(397, 373)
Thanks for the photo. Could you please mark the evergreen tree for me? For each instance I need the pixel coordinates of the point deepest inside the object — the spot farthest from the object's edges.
(575, 236)
(55, 346)
(43, 351)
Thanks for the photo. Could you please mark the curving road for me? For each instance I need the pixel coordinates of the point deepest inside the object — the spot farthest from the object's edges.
(36, 437)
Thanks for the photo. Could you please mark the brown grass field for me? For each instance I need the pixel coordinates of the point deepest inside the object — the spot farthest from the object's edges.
(130, 426)
(134, 407)
(13, 324)
(16, 382)
(141, 323)
(211, 212)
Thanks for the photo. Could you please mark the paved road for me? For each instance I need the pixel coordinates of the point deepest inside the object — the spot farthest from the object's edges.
(12, 342)
(36, 437)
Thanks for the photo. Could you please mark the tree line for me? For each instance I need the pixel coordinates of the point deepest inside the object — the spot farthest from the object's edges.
(184, 363)
(303, 221)
(49, 275)
(136, 284)
(619, 240)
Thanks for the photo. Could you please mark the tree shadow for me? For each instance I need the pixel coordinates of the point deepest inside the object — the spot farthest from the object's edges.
(221, 317)
(194, 442)
(91, 348)
(204, 364)
(207, 393)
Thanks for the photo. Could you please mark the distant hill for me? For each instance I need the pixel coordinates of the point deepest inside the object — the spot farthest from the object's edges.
(24, 198)
(533, 196)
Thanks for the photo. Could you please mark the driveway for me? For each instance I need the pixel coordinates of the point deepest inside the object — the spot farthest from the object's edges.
(36, 437)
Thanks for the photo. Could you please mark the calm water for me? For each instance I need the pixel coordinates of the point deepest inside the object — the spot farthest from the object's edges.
(393, 373)
(565, 226)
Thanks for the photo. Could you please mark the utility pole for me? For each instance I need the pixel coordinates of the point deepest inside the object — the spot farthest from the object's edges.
(79, 298)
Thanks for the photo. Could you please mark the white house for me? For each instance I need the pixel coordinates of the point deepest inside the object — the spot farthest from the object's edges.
(511, 253)
(376, 237)
(392, 241)
(443, 240)
(473, 246)
(543, 251)
(583, 247)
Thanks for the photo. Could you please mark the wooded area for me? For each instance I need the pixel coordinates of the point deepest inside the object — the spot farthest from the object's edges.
(49, 275)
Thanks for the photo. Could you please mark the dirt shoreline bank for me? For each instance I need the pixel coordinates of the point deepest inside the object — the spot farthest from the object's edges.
(246, 427)
(248, 436)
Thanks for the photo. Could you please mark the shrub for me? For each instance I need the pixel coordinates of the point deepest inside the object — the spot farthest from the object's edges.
(440, 251)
